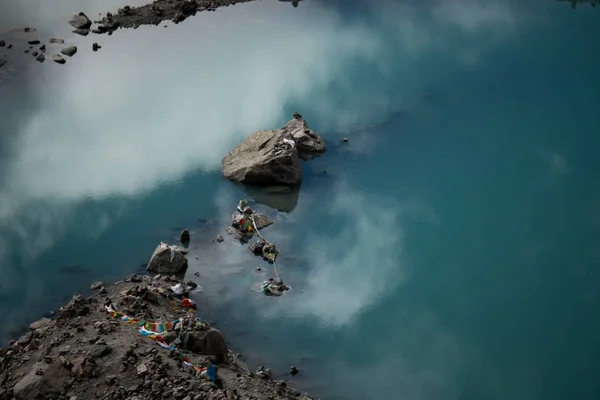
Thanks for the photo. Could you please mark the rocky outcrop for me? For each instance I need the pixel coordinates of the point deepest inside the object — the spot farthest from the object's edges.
(272, 157)
(94, 357)
(168, 260)
(264, 158)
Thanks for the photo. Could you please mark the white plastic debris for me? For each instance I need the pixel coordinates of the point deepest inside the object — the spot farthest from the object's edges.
(178, 289)
(290, 142)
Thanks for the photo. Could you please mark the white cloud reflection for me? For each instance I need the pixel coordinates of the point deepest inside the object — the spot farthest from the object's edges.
(156, 103)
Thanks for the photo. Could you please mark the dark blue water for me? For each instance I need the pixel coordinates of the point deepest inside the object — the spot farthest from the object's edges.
(448, 252)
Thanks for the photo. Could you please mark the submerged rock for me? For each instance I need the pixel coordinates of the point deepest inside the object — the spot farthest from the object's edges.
(56, 41)
(167, 260)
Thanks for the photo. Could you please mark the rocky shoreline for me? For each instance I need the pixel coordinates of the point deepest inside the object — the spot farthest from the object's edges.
(137, 339)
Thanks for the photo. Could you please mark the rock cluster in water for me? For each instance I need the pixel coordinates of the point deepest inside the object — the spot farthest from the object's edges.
(155, 13)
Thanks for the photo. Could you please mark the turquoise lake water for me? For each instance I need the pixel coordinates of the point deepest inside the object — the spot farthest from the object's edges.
(451, 248)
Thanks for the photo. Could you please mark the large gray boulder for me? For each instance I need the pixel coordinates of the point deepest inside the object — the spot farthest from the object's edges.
(264, 158)
(168, 260)
(272, 157)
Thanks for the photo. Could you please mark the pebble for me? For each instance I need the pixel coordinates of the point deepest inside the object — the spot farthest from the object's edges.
(2, 43)
(220, 239)
(58, 59)
(142, 370)
(56, 41)
(133, 389)
(345, 140)
(96, 47)
(82, 32)
(34, 42)
(294, 371)
(69, 51)
(96, 285)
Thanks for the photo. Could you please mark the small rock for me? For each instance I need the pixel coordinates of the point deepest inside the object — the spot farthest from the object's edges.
(82, 32)
(58, 59)
(2, 62)
(185, 236)
(68, 365)
(40, 58)
(345, 140)
(258, 268)
(69, 51)
(99, 351)
(133, 389)
(39, 324)
(142, 370)
(103, 291)
(34, 42)
(2, 43)
(9, 46)
(96, 285)
(294, 371)
(80, 21)
(43, 48)
(56, 41)
(264, 373)
(96, 47)
(220, 239)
